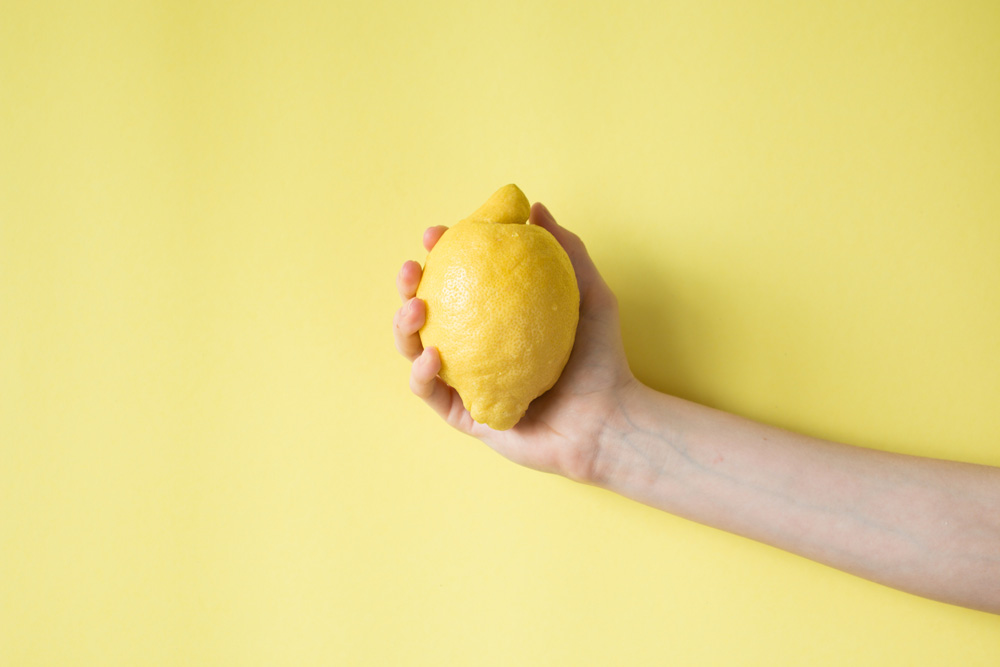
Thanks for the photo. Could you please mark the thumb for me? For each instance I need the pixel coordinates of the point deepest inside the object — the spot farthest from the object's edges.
(586, 273)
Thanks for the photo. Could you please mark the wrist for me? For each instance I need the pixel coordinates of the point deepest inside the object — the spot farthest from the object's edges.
(624, 457)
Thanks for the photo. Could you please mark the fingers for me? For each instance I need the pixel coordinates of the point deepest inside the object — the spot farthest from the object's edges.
(424, 373)
(408, 319)
(405, 325)
(444, 400)
(408, 280)
(409, 276)
(432, 235)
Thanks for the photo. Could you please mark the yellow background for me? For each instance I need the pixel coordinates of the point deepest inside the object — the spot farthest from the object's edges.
(208, 450)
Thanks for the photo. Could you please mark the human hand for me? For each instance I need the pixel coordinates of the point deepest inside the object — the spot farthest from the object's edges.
(599, 425)
(561, 431)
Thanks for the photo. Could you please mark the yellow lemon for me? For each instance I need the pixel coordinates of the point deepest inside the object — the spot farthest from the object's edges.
(502, 309)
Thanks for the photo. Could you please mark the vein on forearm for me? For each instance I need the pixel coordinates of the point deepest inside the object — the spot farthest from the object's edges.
(842, 531)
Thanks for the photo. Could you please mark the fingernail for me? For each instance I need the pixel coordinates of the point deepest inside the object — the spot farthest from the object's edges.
(410, 306)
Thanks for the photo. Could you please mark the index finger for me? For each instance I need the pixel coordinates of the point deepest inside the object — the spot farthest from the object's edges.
(432, 235)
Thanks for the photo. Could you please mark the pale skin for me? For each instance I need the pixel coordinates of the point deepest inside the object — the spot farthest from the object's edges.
(926, 526)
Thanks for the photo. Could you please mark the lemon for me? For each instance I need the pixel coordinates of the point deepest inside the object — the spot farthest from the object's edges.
(502, 309)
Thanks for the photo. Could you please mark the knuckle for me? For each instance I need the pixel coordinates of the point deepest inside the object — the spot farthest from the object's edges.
(575, 242)
(421, 389)
(407, 326)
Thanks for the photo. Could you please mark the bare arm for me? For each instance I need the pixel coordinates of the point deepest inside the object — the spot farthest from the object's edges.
(925, 526)
(921, 525)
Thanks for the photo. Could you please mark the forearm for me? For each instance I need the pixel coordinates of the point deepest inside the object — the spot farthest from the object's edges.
(926, 526)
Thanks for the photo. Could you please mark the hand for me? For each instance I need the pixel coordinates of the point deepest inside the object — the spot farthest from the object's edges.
(561, 431)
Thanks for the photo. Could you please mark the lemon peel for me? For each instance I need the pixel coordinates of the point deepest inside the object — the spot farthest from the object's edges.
(502, 309)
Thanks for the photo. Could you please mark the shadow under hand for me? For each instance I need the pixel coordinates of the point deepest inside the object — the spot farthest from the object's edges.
(666, 325)
(690, 331)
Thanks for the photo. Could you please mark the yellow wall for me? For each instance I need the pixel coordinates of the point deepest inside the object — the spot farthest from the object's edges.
(208, 450)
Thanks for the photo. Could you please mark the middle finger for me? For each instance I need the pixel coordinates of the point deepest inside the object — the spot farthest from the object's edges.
(408, 280)
(405, 326)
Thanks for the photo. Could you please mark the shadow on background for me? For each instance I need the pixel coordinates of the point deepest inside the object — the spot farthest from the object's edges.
(659, 321)
(724, 344)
